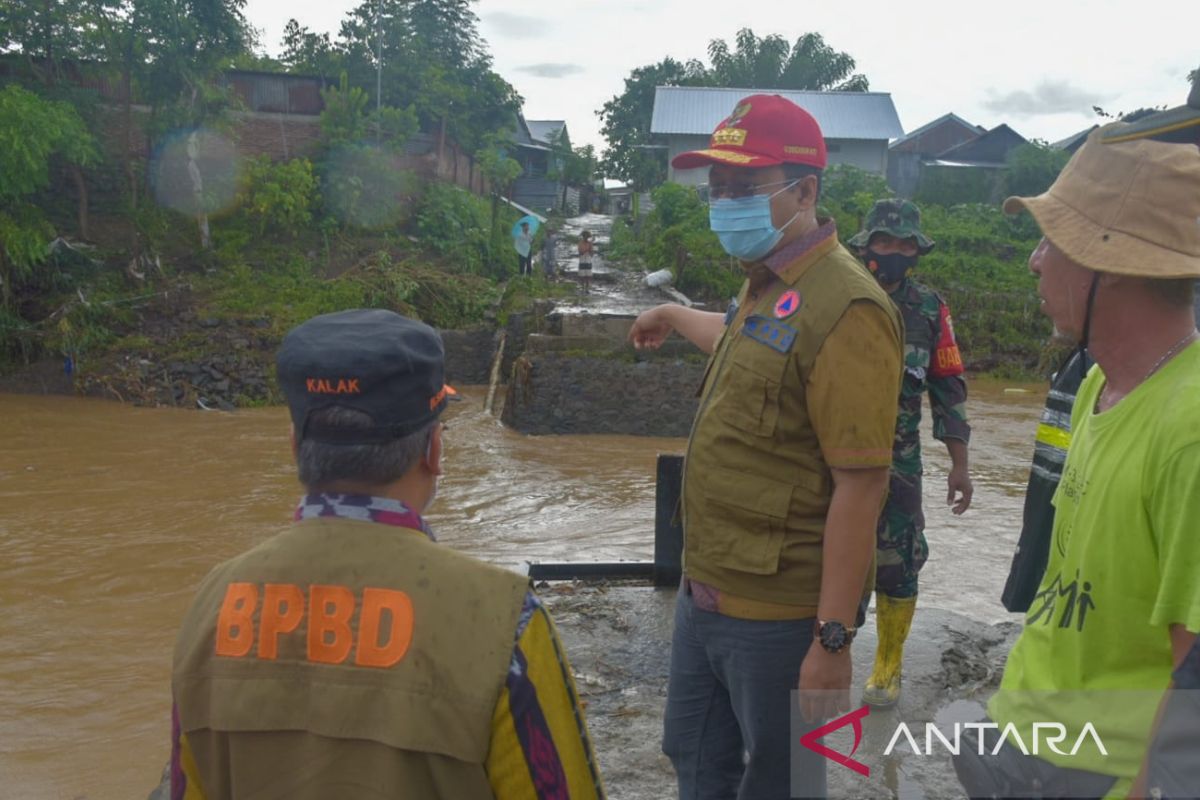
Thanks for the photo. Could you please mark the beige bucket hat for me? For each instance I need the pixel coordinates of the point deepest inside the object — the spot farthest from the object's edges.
(1129, 208)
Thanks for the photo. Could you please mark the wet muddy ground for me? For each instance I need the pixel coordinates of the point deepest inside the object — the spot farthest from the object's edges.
(618, 637)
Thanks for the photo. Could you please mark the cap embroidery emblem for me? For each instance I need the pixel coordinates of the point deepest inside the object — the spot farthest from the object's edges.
(787, 304)
(729, 136)
(739, 111)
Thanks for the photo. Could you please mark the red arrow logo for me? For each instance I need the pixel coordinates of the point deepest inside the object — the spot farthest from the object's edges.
(854, 718)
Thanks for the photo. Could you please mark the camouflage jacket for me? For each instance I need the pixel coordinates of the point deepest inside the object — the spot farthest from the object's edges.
(931, 363)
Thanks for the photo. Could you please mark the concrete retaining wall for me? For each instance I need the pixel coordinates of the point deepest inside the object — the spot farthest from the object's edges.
(469, 355)
(559, 389)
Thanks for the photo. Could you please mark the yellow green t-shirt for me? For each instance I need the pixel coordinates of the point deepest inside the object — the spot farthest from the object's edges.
(1124, 565)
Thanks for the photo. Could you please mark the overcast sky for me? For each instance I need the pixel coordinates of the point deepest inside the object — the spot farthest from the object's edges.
(1038, 65)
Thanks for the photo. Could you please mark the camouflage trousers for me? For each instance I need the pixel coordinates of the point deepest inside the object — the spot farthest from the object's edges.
(900, 547)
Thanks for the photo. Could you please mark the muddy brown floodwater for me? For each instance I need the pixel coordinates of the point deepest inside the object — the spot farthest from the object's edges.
(110, 515)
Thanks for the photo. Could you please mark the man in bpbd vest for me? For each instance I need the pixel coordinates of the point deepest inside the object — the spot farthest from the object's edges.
(351, 655)
(786, 468)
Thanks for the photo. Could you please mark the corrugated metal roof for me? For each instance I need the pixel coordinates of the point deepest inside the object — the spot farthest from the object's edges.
(543, 129)
(951, 117)
(841, 115)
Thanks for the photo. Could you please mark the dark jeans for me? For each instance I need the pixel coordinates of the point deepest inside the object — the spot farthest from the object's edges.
(1012, 774)
(525, 264)
(729, 706)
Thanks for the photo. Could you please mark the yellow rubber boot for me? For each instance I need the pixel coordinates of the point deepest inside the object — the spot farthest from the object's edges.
(893, 619)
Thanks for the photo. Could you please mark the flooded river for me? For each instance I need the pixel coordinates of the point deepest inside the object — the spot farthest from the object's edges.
(110, 515)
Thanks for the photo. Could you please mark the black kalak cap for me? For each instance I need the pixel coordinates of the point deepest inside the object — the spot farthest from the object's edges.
(378, 362)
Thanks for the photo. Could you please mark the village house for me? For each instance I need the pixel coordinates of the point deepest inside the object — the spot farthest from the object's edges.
(540, 147)
(950, 150)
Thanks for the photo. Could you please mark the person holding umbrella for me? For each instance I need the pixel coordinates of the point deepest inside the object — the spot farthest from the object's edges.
(523, 241)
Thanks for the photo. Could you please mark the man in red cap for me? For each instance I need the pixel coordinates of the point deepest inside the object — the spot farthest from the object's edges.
(786, 467)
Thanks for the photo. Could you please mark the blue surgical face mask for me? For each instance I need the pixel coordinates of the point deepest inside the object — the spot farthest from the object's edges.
(744, 226)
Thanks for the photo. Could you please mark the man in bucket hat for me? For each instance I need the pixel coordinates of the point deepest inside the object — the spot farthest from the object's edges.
(1119, 602)
(786, 466)
(889, 244)
(1172, 771)
(351, 655)
(1179, 125)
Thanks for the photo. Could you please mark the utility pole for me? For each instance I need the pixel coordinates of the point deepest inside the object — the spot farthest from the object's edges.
(378, 68)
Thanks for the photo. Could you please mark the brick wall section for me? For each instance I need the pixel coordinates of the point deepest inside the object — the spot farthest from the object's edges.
(286, 136)
(280, 136)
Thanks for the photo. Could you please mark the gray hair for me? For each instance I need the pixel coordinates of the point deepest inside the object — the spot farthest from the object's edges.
(322, 463)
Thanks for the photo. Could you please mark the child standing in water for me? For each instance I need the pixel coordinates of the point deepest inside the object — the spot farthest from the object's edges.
(586, 248)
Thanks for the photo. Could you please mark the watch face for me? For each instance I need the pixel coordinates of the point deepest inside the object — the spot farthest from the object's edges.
(834, 636)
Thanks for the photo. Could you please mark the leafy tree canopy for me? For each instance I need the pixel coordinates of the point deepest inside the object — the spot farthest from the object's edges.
(626, 120)
(33, 131)
(425, 54)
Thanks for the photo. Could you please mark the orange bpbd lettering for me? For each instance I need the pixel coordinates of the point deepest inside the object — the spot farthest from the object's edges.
(235, 621)
(329, 611)
(371, 652)
(283, 608)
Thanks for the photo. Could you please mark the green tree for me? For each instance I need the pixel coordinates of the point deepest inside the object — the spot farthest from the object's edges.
(770, 63)
(500, 171)
(48, 31)
(575, 166)
(428, 54)
(310, 53)
(847, 194)
(362, 184)
(347, 120)
(278, 197)
(1033, 167)
(631, 155)
(33, 132)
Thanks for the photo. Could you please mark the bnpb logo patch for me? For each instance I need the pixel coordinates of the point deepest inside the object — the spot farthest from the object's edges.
(787, 304)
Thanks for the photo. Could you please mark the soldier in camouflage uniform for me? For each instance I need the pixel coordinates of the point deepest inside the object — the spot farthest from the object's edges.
(890, 244)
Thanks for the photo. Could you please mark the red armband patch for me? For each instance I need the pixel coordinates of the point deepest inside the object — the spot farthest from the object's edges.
(947, 361)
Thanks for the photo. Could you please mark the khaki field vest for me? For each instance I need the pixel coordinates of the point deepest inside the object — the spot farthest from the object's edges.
(384, 686)
(756, 488)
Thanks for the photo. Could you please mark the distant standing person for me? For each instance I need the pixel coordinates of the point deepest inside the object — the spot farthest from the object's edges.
(889, 244)
(549, 253)
(524, 245)
(586, 250)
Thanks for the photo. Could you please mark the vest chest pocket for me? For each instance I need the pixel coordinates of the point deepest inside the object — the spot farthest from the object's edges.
(750, 396)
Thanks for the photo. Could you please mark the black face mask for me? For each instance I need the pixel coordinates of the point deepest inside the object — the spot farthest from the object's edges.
(890, 268)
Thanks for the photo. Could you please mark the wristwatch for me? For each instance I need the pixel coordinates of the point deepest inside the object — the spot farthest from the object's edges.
(834, 636)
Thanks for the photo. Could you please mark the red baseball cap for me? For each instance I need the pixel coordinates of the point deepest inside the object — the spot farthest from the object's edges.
(764, 130)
